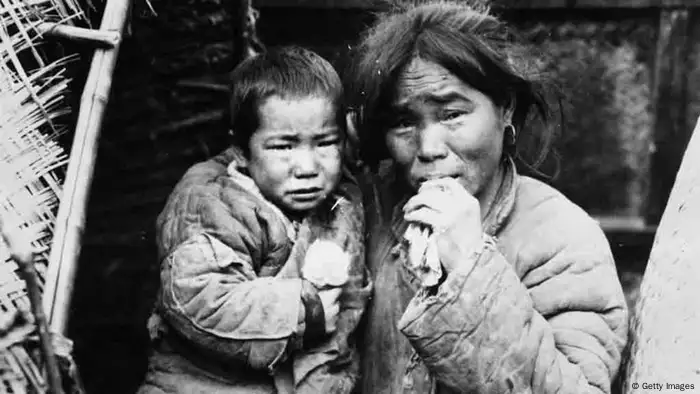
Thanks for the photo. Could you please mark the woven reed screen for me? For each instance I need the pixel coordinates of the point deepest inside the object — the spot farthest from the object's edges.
(33, 90)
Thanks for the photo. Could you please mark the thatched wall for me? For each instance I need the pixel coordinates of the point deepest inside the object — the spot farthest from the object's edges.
(150, 138)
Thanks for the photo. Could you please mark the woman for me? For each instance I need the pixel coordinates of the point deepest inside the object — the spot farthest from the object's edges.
(525, 296)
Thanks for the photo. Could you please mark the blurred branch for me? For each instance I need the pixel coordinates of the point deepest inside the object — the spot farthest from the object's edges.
(196, 120)
(21, 251)
(151, 9)
(245, 37)
(209, 84)
(15, 327)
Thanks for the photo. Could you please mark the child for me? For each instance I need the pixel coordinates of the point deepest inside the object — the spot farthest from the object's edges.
(243, 307)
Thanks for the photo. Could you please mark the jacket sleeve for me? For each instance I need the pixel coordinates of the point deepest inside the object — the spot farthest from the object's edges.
(333, 366)
(559, 329)
(212, 297)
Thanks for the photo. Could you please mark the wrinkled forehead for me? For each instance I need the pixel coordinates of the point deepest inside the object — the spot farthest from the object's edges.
(423, 80)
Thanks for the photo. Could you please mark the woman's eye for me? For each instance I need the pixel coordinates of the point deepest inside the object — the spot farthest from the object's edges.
(402, 133)
(452, 115)
(402, 123)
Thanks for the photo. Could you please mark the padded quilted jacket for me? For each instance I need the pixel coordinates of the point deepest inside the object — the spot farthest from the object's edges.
(232, 311)
(539, 309)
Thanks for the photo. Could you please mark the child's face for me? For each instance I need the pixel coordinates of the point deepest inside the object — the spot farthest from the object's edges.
(295, 155)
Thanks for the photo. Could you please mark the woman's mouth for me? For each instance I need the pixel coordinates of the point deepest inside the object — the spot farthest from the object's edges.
(430, 177)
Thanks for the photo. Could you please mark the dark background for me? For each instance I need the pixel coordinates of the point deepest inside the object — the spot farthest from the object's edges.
(161, 120)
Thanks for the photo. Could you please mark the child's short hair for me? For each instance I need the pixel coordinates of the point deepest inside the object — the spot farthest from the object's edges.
(290, 72)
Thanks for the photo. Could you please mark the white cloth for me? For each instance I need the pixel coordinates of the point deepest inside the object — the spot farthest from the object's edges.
(423, 258)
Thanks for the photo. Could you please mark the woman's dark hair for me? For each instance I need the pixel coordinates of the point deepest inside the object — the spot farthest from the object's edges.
(470, 43)
(290, 72)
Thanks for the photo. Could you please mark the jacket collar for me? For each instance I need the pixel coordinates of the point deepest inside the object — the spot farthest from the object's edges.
(504, 201)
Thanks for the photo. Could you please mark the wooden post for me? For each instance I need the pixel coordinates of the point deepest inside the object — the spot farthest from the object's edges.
(65, 250)
(669, 95)
(666, 336)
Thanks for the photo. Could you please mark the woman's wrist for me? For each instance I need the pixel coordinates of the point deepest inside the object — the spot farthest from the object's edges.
(466, 254)
(469, 257)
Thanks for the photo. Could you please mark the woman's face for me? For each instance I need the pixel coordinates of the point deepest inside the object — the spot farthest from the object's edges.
(295, 155)
(442, 127)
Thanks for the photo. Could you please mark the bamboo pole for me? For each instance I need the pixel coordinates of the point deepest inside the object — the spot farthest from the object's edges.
(665, 344)
(70, 220)
(101, 38)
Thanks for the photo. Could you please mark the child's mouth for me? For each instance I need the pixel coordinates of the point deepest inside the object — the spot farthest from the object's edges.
(307, 194)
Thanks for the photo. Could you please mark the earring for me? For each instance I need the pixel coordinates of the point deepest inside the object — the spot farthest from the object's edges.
(511, 134)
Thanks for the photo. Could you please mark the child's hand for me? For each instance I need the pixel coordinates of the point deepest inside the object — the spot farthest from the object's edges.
(326, 265)
(331, 306)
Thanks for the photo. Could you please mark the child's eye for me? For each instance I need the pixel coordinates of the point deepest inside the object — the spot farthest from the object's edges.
(280, 147)
(329, 142)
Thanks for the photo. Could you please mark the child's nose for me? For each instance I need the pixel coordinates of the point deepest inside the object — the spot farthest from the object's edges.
(305, 164)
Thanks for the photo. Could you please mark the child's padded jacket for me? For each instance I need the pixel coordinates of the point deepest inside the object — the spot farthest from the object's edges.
(227, 324)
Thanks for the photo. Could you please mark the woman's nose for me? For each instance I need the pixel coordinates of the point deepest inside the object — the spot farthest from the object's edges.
(431, 143)
(305, 164)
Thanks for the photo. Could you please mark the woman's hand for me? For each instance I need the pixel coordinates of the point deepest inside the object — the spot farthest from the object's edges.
(453, 215)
